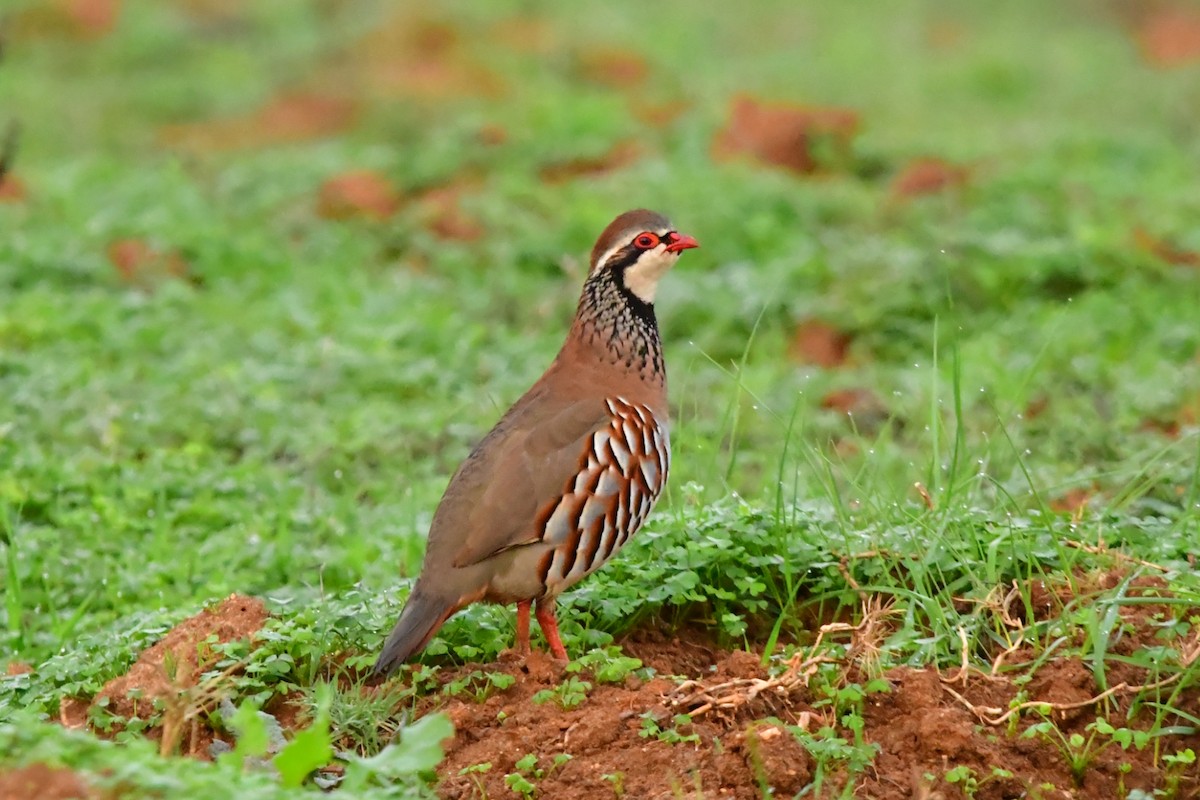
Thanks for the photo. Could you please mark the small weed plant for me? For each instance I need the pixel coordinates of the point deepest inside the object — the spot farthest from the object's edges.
(569, 694)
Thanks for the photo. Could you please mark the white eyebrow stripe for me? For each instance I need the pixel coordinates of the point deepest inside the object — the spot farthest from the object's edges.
(624, 242)
(607, 254)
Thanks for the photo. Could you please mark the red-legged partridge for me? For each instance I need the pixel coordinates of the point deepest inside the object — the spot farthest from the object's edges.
(570, 472)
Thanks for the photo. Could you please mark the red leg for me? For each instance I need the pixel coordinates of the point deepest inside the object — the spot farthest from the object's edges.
(546, 618)
(523, 626)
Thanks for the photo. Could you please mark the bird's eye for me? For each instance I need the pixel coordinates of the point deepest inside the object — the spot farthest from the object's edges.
(645, 241)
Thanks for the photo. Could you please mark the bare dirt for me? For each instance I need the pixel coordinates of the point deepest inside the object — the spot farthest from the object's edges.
(922, 730)
(734, 753)
(744, 745)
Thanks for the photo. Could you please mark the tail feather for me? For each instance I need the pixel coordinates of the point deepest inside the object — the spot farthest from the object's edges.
(419, 621)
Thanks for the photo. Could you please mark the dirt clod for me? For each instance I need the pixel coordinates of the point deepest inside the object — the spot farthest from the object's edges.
(187, 651)
(817, 342)
(618, 156)
(169, 672)
(928, 176)
(357, 194)
(12, 189)
(785, 135)
(43, 782)
(138, 263)
(1170, 37)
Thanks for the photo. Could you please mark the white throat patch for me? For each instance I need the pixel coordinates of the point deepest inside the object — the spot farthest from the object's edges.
(643, 275)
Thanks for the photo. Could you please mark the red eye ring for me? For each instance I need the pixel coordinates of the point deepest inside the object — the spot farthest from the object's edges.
(645, 241)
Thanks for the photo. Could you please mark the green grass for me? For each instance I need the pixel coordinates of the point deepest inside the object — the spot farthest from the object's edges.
(285, 428)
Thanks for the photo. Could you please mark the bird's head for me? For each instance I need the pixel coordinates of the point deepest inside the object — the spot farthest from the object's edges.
(637, 248)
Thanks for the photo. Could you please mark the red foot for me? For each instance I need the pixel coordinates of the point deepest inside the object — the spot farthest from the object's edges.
(523, 626)
(546, 618)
